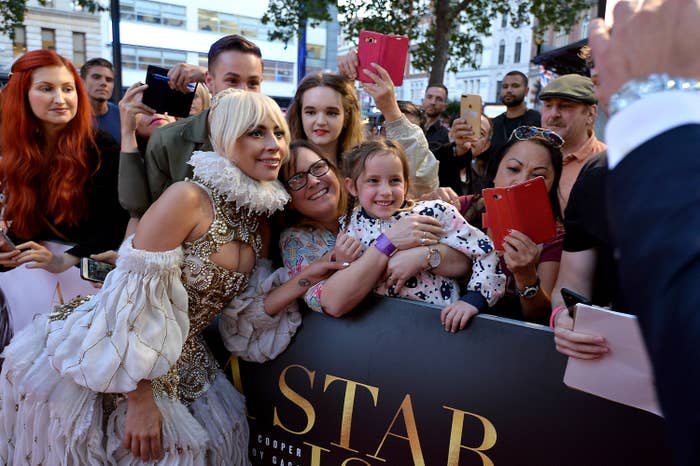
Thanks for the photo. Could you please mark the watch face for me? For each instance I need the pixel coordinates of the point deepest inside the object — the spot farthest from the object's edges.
(530, 292)
(434, 258)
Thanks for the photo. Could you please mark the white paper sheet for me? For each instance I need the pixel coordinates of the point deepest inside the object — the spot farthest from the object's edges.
(624, 374)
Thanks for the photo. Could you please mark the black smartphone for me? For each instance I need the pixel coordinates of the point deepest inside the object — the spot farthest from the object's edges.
(161, 98)
(571, 299)
(93, 270)
(7, 245)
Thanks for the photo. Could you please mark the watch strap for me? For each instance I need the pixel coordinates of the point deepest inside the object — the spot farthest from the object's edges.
(385, 245)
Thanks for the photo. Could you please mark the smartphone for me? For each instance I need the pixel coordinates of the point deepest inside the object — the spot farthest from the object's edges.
(161, 98)
(7, 245)
(93, 270)
(389, 52)
(470, 110)
(571, 299)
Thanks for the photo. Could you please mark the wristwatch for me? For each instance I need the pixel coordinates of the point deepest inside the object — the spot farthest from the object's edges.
(637, 88)
(433, 257)
(529, 292)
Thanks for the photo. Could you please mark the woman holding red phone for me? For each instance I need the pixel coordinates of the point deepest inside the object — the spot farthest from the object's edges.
(530, 269)
(326, 111)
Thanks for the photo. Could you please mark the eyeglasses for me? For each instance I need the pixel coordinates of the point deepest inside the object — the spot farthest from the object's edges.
(524, 133)
(299, 179)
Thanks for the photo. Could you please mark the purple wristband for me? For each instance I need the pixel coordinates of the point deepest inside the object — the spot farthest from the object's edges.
(385, 245)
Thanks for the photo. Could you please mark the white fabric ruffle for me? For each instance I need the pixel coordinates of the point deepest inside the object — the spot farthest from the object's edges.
(261, 197)
(247, 330)
(49, 419)
(133, 329)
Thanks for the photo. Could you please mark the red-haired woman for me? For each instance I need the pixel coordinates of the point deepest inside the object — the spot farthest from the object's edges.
(58, 176)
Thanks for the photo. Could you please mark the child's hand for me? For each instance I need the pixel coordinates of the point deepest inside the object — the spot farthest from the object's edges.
(404, 265)
(347, 248)
(456, 315)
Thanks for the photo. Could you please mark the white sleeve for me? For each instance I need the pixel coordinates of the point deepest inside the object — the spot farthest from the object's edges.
(423, 166)
(247, 330)
(133, 329)
(647, 118)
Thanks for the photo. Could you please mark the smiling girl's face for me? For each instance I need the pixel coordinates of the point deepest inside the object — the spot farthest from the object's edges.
(322, 118)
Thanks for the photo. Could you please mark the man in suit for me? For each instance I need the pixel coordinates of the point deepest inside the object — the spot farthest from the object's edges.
(649, 64)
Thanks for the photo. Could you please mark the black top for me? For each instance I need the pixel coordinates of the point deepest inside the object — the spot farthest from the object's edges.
(586, 224)
(105, 224)
(451, 166)
(437, 136)
(503, 127)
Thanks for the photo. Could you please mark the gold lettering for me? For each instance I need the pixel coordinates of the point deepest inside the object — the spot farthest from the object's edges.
(315, 453)
(456, 437)
(411, 429)
(236, 373)
(297, 399)
(347, 461)
(348, 405)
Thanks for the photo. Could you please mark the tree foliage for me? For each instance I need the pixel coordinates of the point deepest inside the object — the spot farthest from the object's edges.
(12, 12)
(446, 34)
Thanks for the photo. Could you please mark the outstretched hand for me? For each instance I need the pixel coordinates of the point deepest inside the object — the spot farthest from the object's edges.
(383, 92)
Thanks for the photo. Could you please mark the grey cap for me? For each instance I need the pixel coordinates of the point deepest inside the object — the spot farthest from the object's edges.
(571, 87)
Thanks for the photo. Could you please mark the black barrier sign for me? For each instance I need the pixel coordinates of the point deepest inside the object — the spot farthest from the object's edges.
(387, 385)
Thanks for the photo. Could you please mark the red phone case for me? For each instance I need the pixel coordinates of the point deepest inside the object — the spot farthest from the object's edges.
(390, 52)
(524, 207)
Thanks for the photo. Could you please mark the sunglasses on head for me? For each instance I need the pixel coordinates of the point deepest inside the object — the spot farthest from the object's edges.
(299, 179)
(524, 133)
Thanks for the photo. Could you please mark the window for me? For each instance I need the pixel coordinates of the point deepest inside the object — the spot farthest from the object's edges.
(138, 58)
(501, 53)
(19, 44)
(498, 91)
(146, 11)
(215, 21)
(203, 59)
(280, 71)
(79, 56)
(48, 39)
(315, 51)
(518, 48)
(504, 21)
(585, 23)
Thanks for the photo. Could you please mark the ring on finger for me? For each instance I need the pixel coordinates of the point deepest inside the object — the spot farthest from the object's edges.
(422, 241)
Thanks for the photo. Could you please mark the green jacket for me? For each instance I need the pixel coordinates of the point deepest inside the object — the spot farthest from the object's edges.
(143, 180)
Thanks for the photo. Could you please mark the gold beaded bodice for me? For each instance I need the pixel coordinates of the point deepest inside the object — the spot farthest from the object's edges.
(209, 287)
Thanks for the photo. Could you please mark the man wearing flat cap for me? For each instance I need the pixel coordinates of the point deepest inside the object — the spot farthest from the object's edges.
(570, 108)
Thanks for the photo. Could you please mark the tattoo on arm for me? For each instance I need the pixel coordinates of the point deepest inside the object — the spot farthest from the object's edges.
(304, 282)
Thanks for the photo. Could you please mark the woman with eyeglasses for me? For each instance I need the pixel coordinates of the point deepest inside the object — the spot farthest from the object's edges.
(314, 238)
(531, 269)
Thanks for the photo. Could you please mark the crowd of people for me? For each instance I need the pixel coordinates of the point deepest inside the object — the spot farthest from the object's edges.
(220, 222)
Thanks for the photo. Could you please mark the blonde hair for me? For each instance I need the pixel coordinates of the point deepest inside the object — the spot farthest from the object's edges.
(234, 112)
(203, 94)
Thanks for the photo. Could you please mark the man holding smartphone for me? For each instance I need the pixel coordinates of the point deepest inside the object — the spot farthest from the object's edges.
(233, 62)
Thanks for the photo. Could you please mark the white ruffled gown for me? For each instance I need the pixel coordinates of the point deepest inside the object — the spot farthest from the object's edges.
(64, 376)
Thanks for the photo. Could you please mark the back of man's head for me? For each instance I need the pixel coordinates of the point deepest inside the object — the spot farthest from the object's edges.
(231, 42)
(93, 62)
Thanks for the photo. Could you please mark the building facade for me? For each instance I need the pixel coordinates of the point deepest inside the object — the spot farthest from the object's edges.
(59, 25)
